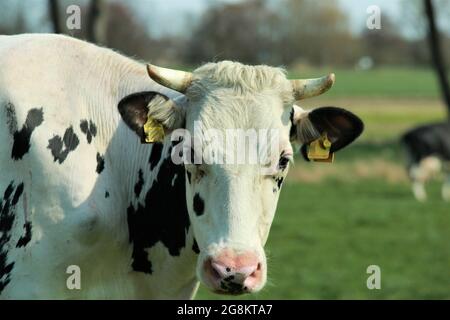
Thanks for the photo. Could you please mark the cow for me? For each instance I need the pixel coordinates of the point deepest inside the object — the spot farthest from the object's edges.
(427, 150)
(90, 210)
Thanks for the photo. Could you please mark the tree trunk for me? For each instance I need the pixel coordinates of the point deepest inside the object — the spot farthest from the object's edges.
(436, 53)
(97, 22)
(94, 12)
(54, 15)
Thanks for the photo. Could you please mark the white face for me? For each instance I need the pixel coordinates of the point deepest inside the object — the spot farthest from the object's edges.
(232, 205)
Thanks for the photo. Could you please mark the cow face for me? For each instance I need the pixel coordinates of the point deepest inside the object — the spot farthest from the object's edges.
(237, 125)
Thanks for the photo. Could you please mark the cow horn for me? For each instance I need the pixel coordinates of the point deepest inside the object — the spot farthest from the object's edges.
(173, 79)
(307, 88)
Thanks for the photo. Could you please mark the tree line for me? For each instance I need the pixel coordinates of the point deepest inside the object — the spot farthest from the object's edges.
(281, 32)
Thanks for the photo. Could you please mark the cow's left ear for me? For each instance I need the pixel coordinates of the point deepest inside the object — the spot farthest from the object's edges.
(342, 126)
(135, 110)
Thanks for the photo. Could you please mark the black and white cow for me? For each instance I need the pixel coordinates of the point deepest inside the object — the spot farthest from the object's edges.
(428, 153)
(79, 188)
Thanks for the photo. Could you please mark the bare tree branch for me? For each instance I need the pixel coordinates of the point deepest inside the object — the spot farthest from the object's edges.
(54, 15)
(436, 53)
(94, 13)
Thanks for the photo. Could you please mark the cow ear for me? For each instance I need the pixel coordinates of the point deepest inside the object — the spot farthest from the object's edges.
(136, 108)
(342, 126)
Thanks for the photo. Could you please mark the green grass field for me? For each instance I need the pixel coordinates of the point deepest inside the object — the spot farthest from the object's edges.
(333, 221)
(385, 82)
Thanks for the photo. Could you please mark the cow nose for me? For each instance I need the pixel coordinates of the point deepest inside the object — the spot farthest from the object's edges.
(234, 275)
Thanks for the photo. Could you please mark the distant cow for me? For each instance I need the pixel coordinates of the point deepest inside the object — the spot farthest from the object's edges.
(80, 191)
(428, 153)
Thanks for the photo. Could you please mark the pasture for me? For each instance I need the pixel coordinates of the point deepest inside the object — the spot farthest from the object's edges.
(333, 221)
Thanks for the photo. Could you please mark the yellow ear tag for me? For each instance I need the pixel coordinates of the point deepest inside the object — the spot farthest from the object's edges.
(153, 130)
(319, 150)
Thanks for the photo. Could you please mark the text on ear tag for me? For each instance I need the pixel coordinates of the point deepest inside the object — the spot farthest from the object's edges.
(319, 150)
(153, 131)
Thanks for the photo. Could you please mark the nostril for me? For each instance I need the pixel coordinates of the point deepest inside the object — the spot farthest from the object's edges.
(209, 268)
(219, 270)
(253, 279)
(215, 273)
(256, 271)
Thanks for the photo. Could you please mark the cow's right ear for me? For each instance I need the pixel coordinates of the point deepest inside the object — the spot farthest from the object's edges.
(136, 108)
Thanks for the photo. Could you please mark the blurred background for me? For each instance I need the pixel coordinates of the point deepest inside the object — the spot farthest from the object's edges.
(333, 221)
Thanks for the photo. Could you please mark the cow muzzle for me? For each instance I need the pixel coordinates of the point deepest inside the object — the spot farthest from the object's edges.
(232, 273)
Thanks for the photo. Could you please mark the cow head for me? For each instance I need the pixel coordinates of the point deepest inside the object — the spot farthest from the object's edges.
(238, 124)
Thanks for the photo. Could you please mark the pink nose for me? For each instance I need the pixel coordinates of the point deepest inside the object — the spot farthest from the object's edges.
(233, 273)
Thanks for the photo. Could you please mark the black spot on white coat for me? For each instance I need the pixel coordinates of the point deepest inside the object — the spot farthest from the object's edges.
(100, 163)
(89, 129)
(11, 119)
(139, 184)
(60, 148)
(161, 217)
(17, 194)
(188, 176)
(199, 205)
(195, 247)
(21, 144)
(279, 182)
(26, 238)
(155, 155)
(7, 216)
